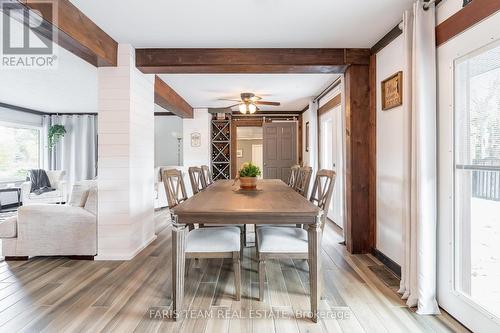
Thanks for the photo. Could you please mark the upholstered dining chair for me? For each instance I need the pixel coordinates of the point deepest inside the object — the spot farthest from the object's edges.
(303, 180)
(292, 242)
(294, 172)
(207, 174)
(197, 179)
(207, 243)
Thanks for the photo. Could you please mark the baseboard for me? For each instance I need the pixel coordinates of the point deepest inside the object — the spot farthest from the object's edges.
(388, 262)
(127, 256)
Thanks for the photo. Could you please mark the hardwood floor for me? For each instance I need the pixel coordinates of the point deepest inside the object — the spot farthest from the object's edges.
(62, 295)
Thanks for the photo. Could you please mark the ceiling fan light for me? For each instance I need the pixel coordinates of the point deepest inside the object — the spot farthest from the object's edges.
(243, 108)
(252, 108)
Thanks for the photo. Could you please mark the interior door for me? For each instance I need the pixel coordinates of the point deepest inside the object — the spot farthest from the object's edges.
(469, 177)
(280, 149)
(330, 143)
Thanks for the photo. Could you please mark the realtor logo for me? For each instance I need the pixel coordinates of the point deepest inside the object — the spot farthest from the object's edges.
(28, 34)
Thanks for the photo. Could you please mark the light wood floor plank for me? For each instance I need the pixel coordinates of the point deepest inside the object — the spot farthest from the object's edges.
(61, 295)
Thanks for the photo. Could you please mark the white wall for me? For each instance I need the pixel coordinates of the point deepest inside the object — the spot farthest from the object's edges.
(165, 143)
(391, 155)
(126, 158)
(196, 156)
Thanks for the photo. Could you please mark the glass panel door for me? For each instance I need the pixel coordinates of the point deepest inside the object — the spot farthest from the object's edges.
(477, 179)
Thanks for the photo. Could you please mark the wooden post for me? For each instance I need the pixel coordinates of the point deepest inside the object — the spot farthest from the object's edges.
(360, 160)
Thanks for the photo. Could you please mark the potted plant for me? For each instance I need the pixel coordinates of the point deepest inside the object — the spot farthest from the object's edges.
(248, 176)
(56, 132)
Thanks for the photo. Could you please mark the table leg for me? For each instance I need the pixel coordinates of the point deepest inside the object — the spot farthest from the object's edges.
(314, 238)
(178, 266)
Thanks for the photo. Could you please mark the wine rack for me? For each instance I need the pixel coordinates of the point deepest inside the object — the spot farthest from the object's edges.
(221, 147)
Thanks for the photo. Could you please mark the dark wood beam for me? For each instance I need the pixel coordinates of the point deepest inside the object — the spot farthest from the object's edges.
(76, 33)
(249, 60)
(465, 18)
(169, 99)
(387, 39)
(160, 114)
(360, 229)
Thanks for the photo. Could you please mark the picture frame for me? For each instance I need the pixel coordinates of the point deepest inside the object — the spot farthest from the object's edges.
(239, 152)
(392, 91)
(307, 136)
(195, 139)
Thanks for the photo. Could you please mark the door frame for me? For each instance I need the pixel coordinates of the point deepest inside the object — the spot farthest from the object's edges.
(457, 304)
(235, 123)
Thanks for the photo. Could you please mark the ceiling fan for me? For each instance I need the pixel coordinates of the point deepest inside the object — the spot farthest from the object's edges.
(249, 103)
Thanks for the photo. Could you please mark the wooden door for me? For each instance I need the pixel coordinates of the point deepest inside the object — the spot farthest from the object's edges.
(280, 149)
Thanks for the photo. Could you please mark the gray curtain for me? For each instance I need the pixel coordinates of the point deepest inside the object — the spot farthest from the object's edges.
(76, 152)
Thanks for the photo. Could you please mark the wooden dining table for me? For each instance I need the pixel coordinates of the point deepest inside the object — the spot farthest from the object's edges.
(223, 203)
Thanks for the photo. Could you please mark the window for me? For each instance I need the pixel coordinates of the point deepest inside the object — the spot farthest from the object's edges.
(477, 178)
(19, 151)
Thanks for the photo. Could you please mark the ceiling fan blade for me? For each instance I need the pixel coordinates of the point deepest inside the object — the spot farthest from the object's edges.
(232, 106)
(267, 103)
(255, 98)
(231, 100)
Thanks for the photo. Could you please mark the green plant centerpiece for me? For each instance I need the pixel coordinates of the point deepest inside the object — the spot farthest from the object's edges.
(248, 176)
(56, 132)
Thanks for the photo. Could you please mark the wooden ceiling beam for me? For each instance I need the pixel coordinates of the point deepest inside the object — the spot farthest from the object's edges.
(209, 61)
(76, 32)
(169, 99)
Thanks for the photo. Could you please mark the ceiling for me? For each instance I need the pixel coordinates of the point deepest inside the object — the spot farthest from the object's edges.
(70, 87)
(246, 23)
(293, 91)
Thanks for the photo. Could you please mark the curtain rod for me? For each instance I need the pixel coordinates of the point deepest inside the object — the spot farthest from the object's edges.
(328, 89)
(41, 113)
(428, 4)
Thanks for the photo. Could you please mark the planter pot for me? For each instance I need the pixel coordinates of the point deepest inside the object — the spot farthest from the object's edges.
(248, 183)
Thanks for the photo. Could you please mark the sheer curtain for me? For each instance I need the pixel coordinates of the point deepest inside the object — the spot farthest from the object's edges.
(76, 152)
(419, 271)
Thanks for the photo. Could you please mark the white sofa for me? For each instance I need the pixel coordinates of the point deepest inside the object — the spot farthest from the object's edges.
(50, 230)
(57, 196)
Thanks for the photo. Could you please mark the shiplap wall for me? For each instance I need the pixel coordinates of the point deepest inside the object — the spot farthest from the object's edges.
(126, 158)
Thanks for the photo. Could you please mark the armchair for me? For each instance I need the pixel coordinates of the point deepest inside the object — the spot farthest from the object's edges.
(57, 196)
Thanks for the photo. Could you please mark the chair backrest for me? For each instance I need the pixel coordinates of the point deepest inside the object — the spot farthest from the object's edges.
(303, 180)
(198, 182)
(174, 187)
(294, 173)
(322, 191)
(207, 174)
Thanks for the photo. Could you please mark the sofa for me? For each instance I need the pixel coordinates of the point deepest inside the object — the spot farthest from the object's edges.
(54, 230)
(57, 196)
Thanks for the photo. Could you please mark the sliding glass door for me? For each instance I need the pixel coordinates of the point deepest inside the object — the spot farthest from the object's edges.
(469, 220)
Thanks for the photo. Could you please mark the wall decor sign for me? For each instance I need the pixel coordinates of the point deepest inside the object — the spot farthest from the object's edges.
(239, 153)
(307, 136)
(195, 139)
(392, 91)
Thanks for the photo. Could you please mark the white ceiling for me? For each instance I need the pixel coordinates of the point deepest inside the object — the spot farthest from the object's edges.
(245, 23)
(293, 91)
(70, 87)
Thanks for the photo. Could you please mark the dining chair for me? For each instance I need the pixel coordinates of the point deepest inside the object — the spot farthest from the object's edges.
(207, 174)
(303, 180)
(292, 242)
(294, 172)
(207, 243)
(197, 179)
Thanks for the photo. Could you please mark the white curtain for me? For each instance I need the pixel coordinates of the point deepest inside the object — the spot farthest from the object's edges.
(418, 282)
(313, 136)
(76, 152)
